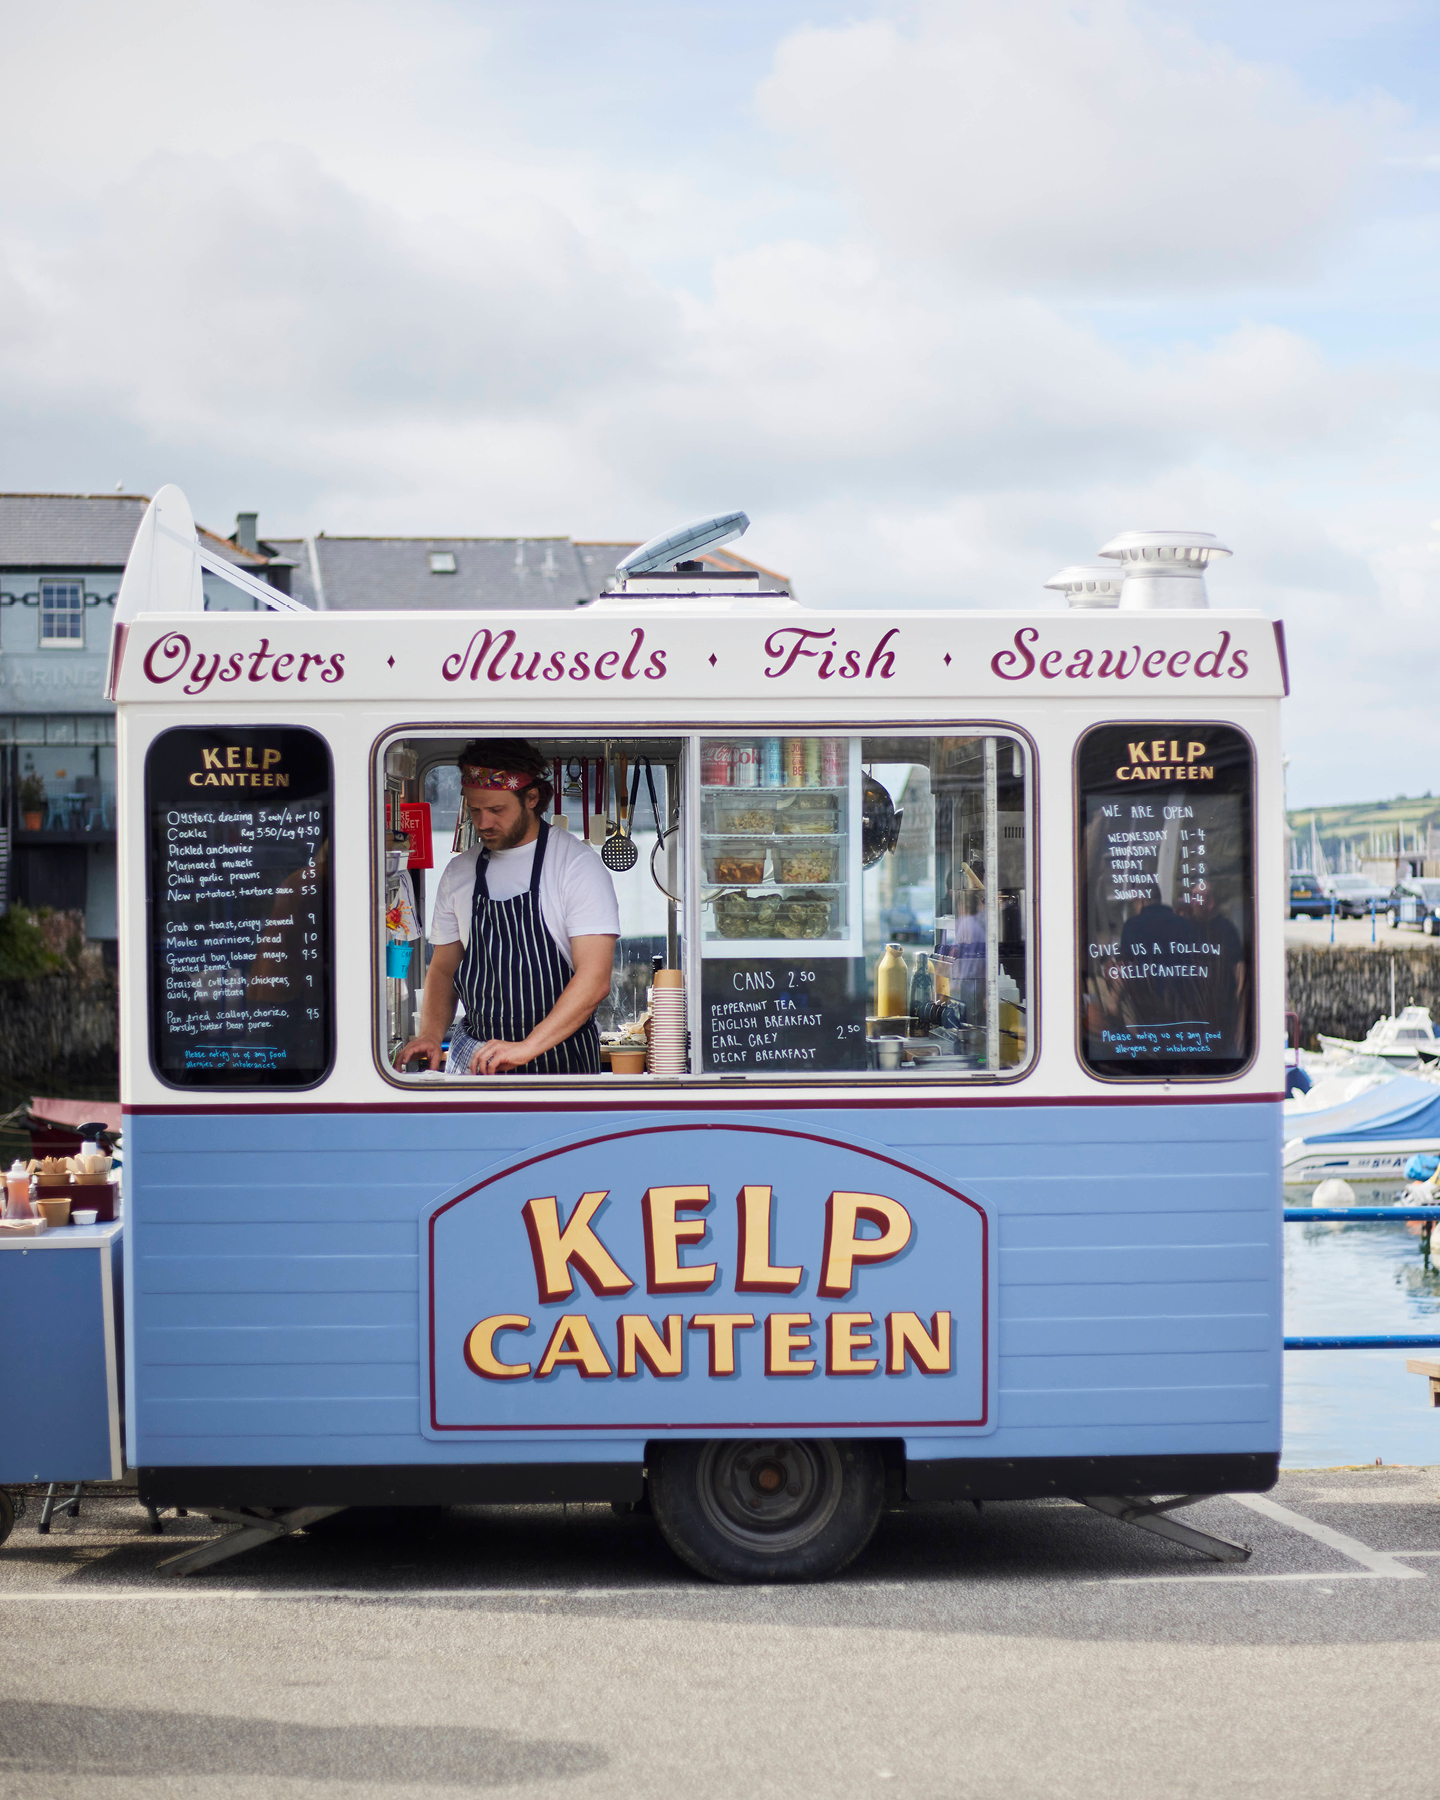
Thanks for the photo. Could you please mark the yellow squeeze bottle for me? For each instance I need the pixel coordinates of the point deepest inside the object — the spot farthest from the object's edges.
(892, 984)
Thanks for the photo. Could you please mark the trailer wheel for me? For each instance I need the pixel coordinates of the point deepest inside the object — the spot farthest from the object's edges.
(767, 1509)
(7, 1515)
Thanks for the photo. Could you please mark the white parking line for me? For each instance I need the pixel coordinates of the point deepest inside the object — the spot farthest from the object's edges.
(1378, 1562)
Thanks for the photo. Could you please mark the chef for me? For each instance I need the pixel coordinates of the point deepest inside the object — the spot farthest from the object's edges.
(524, 931)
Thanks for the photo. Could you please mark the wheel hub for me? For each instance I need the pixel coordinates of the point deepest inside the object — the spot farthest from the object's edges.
(774, 1493)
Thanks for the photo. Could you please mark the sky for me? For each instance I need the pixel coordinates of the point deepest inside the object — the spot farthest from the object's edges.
(943, 294)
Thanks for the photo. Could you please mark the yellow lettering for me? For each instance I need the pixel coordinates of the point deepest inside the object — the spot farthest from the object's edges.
(1137, 753)
(271, 757)
(782, 1339)
(480, 1347)
(664, 1234)
(554, 1250)
(722, 1328)
(574, 1341)
(846, 1334)
(641, 1342)
(211, 759)
(843, 1245)
(1192, 750)
(928, 1350)
(758, 1275)
(232, 756)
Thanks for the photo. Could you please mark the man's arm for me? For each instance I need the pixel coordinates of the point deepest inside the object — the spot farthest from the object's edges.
(594, 964)
(437, 1008)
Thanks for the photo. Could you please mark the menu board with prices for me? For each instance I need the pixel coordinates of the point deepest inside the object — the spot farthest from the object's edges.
(240, 906)
(1167, 930)
(782, 1017)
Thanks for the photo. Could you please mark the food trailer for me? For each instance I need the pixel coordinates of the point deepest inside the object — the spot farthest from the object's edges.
(958, 1177)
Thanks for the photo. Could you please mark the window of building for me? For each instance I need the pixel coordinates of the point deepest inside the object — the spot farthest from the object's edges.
(854, 906)
(62, 615)
(442, 562)
(1167, 901)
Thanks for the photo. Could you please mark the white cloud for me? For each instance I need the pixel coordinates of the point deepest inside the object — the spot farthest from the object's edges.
(1068, 147)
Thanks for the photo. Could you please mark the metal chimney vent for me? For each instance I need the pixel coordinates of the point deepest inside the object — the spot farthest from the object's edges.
(1089, 584)
(1164, 570)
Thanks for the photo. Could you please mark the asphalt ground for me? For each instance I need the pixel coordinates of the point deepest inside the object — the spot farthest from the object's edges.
(1032, 1649)
(1354, 934)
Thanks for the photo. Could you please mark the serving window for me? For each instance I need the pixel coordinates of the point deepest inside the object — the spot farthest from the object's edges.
(1166, 885)
(838, 904)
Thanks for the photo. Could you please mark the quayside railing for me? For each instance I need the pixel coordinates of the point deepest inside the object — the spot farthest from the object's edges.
(1427, 1215)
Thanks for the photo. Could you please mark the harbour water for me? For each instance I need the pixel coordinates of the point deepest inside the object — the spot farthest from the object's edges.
(1352, 1406)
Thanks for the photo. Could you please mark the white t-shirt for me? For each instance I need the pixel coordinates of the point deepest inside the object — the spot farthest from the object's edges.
(577, 896)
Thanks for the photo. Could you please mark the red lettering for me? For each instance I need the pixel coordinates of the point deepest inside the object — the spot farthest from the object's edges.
(882, 658)
(776, 648)
(198, 683)
(1214, 658)
(174, 648)
(1158, 658)
(336, 671)
(1113, 663)
(305, 662)
(580, 670)
(1239, 666)
(555, 668)
(601, 673)
(1055, 656)
(629, 671)
(655, 669)
(281, 662)
(1183, 658)
(1005, 660)
(233, 669)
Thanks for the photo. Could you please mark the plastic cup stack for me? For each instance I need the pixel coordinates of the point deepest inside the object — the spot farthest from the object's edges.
(668, 1024)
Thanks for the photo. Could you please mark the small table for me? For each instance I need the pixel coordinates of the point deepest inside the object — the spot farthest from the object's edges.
(60, 1400)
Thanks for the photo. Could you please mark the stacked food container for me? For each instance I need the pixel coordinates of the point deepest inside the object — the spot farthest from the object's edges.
(779, 842)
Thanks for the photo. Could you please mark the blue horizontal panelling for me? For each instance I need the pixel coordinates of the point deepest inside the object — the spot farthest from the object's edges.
(283, 1381)
(1175, 1265)
(1198, 1332)
(220, 1310)
(1141, 1299)
(1103, 1230)
(314, 1418)
(1138, 1406)
(1080, 1373)
(264, 1273)
(256, 1344)
(332, 1237)
(277, 1308)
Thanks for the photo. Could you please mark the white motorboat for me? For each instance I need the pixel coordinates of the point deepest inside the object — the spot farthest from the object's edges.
(1404, 1040)
(1369, 1137)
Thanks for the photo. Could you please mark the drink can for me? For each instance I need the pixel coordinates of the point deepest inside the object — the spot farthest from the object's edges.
(772, 763)
(832, 762)
(812, 762)
(794, 762)
(746, 768)
(717, 763)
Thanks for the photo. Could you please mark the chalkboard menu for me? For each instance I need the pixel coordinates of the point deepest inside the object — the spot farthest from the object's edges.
(238, 825)
(1167, 901)
(782, 1016)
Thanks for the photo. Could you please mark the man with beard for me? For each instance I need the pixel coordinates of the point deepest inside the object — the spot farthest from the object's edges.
(524, 931)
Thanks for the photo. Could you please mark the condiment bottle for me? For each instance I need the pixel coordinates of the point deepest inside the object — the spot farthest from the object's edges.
(922, 988)
(892, 984)
(17, 1192)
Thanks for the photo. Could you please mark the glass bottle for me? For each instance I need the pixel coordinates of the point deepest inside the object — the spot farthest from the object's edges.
(922, 988)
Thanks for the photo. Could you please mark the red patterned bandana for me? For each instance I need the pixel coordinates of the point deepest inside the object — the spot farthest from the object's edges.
(514, 780)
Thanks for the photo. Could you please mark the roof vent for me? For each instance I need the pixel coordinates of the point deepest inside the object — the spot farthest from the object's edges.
(675, 548)
(1088, 585)
(1164, 570)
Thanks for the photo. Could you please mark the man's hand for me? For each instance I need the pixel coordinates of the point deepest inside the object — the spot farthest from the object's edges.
(497, 1057)
(429, 1047)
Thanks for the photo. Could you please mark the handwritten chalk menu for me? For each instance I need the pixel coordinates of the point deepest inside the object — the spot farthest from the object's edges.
(1166, 877)
(240, 907)
(781, 1017)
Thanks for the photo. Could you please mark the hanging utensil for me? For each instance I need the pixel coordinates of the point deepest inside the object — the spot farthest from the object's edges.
(618, 852)
(596, 833)
(662, 832)
(585, 799)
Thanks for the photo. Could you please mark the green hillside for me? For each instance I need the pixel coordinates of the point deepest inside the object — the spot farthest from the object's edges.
(1372, 826)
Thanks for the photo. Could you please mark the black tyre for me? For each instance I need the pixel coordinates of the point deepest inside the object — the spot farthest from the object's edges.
(1392, 919)
(1432, 926)
(7, 1515)
(767, 1509)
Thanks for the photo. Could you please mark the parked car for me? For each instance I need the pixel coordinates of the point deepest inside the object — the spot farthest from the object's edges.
(1308, 900)
(1415, 902)
(1353, 894)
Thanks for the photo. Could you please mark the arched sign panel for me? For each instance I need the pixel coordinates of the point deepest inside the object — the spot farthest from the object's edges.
(691, 1278)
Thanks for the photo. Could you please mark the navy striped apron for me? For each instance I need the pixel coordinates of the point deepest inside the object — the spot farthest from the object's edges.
(512, 974)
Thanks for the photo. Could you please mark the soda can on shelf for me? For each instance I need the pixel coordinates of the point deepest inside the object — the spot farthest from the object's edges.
(812, 762)
(717, 764)
(772, 763)
(745, 769)
(794, 762)
(832, 762)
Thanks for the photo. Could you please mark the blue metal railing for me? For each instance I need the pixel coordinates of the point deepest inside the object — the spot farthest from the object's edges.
(1428, 1215)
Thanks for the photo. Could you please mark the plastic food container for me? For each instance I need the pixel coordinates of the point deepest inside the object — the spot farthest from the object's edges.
(816, 862)
(746, 915)
(751, 816)
(737, 863)
(810, 813)
(82, 1218)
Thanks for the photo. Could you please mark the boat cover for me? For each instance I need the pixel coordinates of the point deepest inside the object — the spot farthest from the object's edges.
(1384, 1098)
(1416, 1114)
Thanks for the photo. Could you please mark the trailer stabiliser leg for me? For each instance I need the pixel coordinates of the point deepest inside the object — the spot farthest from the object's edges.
(1149, 1515)
(257, 1526)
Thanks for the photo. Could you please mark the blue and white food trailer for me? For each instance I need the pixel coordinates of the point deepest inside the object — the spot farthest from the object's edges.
(1020, 1239)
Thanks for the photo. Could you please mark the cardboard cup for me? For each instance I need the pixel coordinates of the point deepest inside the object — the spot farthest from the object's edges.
(627, 1062)
(54, 1212)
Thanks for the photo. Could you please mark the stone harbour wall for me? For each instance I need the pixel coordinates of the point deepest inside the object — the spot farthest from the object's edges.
(1343, 991)
(60, 1025)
